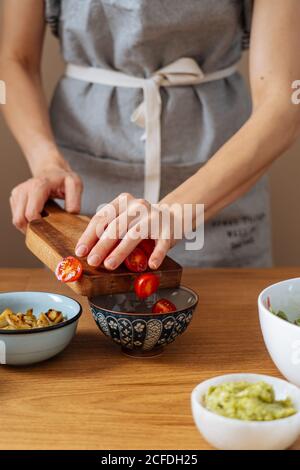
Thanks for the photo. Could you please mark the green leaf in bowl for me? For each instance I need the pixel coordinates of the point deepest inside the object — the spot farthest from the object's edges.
(282, 315)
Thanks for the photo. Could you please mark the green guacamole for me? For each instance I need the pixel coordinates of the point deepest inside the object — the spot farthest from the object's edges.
(247, 401)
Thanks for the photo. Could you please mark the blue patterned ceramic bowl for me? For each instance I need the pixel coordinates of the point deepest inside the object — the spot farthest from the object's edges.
(130, 323)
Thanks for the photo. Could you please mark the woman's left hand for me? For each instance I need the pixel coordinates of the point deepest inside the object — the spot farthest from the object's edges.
(118, 227)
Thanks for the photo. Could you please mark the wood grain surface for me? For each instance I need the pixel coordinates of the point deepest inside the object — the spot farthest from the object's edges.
(55, 236)
(93, 397)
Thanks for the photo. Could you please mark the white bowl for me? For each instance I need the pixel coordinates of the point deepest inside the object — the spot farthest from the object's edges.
(233, 434)
(23, 347)
(282, 338)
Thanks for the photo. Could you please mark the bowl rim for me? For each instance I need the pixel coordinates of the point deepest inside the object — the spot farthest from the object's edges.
(150, 314)
(46, 328)
(234, 421)
(266, 311)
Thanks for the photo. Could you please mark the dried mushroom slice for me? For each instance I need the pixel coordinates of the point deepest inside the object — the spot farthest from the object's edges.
(12, 319)
(24, 326)
(16, 321)
(54, 316)
(3, 318)
(20, 321)
(30, 319)
(43, 321)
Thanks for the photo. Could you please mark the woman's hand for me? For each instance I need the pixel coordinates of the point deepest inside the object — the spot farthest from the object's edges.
(129, 220)
(28, 199)
(22, 39)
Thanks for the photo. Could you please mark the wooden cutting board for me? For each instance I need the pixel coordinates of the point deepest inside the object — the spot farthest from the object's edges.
(55, 236)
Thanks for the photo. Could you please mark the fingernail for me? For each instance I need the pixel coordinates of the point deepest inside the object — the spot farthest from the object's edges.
(154, 264)
(81, 250)
(110, 263)
(94, 260)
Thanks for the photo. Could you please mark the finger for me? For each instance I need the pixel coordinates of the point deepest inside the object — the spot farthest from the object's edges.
(132, 238)
(118, 227)
(138, 226)
(93, 232)
(164, 221)
(159, 253)
(18, 203)
(104, 246)
(114, 232)
(99, 223)
(73, 191)
(37, 197)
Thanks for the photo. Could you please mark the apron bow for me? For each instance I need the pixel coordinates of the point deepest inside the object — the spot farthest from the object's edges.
(182, 72)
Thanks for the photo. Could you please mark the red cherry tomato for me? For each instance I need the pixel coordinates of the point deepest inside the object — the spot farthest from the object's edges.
(137, 261)
(145, 285)
(147, 246)
(164, 306)
(69, 270)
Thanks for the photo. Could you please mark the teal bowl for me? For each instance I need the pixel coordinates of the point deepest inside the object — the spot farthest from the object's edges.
(24, 347)
(129, 323)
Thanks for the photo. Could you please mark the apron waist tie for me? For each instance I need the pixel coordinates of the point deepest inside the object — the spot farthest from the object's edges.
(182, 72)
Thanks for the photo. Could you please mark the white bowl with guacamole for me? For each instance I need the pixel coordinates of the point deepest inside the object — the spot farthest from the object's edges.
(279, 314)
(247, 412)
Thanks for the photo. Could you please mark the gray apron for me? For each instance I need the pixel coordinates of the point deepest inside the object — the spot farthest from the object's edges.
(92, 124)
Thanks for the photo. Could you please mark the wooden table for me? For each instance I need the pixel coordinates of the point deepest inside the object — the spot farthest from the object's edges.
(93, 397)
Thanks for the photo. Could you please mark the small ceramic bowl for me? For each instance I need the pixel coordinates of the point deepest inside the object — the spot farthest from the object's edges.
(139, 332)
(23, 347)
(282, 338)
(233, 434)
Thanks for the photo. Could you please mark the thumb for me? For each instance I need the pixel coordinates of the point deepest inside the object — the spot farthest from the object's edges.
(73, 191)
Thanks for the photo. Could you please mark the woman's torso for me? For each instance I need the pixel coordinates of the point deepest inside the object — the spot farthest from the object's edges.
(139, 37)
(92, 122)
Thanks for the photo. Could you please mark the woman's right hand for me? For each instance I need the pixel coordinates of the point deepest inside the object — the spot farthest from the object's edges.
(28, 199)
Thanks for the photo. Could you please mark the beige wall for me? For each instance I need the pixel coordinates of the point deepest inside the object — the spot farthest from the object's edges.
(285, 188)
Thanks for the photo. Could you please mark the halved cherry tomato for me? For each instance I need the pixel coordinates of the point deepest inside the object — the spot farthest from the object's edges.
(164, 306)
(145, 285)
(69, 270)
(147, 246)
(137, 261)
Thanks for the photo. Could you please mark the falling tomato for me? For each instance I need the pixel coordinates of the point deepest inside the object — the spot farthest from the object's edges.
(137, 261)
(164, 306)
(69, 269)
(146, 285)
